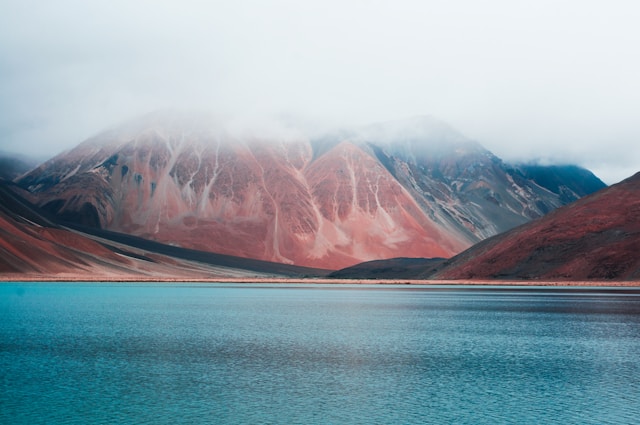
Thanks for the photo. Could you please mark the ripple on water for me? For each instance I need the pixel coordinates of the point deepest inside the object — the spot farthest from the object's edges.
(271, 354)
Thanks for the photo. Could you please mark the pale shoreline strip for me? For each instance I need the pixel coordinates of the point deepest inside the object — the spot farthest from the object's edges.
(11, 277)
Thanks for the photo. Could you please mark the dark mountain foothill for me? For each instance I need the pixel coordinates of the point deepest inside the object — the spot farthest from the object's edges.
(391, 269)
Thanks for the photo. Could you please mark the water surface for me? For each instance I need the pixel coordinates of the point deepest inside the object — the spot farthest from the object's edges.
(217, 353)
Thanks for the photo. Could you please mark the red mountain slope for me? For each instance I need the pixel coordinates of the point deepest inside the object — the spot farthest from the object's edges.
(32, 246)
(365, 213)
(596, 237)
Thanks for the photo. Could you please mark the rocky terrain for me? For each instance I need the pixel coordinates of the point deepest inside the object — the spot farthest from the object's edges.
(594, 238)
(414, 188)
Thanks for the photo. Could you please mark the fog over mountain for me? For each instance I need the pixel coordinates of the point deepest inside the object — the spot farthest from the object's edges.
(414, 187)
(554, 82)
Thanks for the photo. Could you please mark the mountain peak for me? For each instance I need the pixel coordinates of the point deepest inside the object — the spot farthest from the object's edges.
(422, 136)
(418, 128)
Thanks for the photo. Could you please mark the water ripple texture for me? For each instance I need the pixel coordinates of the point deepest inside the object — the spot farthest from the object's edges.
(237, 354)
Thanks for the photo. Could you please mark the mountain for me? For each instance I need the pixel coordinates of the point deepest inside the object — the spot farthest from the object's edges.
(568, 181)
(594, 238)
(412, 188)
(463, 186)
(33, 244)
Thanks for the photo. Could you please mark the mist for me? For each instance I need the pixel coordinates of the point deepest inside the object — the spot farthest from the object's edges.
(554, 82)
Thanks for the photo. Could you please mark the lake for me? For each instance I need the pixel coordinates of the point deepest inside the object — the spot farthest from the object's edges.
(142, 353)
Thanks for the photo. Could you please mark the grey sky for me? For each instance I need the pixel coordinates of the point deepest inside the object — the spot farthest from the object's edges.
(552, 80)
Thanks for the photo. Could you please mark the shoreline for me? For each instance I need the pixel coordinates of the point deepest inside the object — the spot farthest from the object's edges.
(18, 278)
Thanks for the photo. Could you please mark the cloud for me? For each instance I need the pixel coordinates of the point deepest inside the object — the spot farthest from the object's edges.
(549, 79)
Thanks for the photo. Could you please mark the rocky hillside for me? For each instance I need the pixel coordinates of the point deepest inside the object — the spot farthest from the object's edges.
(465, 187)
(595, 238)
(414, 188)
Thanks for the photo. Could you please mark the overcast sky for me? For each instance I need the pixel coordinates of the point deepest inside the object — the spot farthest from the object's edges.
(557, 81)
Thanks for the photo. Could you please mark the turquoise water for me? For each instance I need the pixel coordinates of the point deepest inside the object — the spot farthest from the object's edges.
(214, 353)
